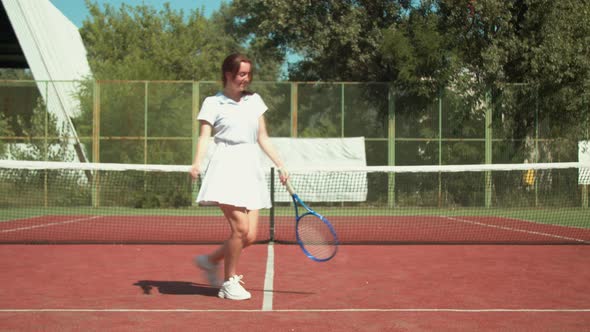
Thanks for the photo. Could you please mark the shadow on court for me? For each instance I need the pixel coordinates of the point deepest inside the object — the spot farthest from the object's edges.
(191, 288)
(176, 288)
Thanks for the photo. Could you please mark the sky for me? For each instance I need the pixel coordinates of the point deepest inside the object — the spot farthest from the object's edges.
(76, 11)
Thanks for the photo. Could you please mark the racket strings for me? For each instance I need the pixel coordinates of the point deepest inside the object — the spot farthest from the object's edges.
(316, 237)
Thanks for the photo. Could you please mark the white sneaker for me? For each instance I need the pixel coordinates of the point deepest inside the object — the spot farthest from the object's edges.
(232, 289)
(210, 269)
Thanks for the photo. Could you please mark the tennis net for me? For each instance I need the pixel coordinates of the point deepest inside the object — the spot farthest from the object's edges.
(54, 202)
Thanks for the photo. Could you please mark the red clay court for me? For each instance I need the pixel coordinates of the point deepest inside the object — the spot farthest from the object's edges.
(393, 287)
(417, 254)
(369, 288)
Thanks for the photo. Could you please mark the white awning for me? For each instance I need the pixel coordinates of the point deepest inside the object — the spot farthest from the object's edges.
(55, 53)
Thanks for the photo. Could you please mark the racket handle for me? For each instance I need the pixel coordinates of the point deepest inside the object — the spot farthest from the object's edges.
(287, 183)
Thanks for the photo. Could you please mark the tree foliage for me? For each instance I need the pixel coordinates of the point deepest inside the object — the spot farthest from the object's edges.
(140, 43)
(460, 50)
(337, 40)
(472, 51)
(424, 45)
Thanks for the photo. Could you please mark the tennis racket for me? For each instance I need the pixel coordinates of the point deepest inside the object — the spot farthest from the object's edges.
(315, 234)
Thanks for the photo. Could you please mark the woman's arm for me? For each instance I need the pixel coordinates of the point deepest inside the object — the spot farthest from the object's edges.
(268, 148)
(204, 135)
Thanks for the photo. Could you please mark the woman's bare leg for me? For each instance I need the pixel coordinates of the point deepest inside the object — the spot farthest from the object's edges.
(238, 223)
(253, 225)
(252, 216)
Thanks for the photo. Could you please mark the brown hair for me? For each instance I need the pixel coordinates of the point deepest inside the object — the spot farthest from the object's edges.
(232, 63)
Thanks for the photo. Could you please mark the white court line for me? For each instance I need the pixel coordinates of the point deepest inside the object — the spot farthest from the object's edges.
(269, 279)
(49, 225)
(360, 310)
(517, 230)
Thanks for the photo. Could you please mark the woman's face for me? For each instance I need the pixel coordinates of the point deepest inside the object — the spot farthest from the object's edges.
(241, 81)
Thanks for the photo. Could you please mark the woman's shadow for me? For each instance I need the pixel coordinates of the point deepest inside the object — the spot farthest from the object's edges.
(191, 288)
(176, 288)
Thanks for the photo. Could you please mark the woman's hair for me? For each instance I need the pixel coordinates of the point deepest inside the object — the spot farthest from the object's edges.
(232, 64)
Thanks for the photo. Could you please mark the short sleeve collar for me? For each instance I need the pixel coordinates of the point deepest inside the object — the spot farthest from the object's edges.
(223, 99)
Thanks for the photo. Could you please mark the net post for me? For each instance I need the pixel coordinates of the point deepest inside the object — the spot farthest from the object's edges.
(146, 88)
(96, 142)
(391, 146)
(195, 104)
(271, 227)
(46, 149)
(585, 199)
(440, 148)
(537, 152)
(488, 148)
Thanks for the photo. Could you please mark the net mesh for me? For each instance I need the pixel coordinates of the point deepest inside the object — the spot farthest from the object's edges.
(51, 202)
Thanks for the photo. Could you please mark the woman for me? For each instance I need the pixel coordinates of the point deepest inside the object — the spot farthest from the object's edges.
(234, 179)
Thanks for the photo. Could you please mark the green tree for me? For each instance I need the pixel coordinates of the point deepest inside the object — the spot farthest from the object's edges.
(141, 43)
(337, 40)
(8, 121)
(538, 43)
(418, 55)
(15, 74)
(422, 47)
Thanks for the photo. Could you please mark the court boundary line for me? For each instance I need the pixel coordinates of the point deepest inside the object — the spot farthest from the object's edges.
(60, 223)
(269, 279)
(359, 310)
(512, 229)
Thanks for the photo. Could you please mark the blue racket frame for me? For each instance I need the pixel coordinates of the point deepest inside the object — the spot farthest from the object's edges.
(297, 201)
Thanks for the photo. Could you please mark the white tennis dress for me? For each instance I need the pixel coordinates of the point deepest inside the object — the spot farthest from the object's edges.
(234, 175)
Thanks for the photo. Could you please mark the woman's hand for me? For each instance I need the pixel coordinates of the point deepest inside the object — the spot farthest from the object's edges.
(283, 175)
(195, 171)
